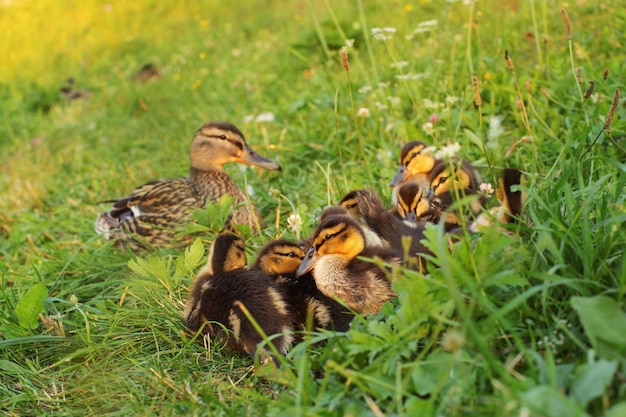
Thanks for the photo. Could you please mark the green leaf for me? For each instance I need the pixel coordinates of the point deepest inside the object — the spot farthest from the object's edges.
(194, 254)
(618, 410)
(550, 402)
(30, 305)
(604, 323)
(591, 380)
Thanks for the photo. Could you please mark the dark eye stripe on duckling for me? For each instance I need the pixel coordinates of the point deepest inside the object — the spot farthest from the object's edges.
(331, 234)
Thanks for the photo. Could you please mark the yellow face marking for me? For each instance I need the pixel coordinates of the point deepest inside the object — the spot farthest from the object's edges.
(283, 259)
(340, 239)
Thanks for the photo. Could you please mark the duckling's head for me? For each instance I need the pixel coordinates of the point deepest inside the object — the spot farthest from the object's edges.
(338, 236)
(412, 201)
(280, 257)
(362, 203)
(227, 253)
(449, 176)
(217, 143)
(415, 158)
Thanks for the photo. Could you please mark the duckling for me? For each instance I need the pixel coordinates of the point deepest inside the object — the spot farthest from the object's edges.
(450, 180)
(151, 214)
(227, 282)
(511, 202)
(147, 72)
(412, 203)
(379, 223)
(280, 259)
(338, 273)
(415, 163)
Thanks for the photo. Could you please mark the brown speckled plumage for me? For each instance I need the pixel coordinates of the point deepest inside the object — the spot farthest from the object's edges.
(154, 212)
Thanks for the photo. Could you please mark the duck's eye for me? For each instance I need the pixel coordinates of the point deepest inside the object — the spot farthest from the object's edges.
(328, 236)
(222, 136)
(414, 154)
(351, 206)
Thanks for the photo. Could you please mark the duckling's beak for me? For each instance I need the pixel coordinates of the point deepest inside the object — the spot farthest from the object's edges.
(430, 194)
(400, 176)
(308, 262)
(410, 216)
(250, 157)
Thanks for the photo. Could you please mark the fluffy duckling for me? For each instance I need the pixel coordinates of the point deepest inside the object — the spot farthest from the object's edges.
(280, 260)
(222, 286)
(511, 202)
(412, 203)
(379, 223)
(151, 214)
(415, 163)
(361, 285)
(450, 180)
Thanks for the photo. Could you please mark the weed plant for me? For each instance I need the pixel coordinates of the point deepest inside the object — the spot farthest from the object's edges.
(525, 323)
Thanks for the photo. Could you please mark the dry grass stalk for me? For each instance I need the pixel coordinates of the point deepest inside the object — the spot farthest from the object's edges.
(568, 24)
(611, 113)
(344, 58)
(478, 101)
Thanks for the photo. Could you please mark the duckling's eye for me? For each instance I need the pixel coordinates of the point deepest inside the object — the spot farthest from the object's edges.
(351, 206)
(414, 154)
(222, 136)
(328, 236)
(291, 254)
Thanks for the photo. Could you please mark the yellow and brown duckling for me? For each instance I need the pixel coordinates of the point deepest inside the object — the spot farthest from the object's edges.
(511, 201)
(333, 259)
(412, 203)
(379, 223)
(415, 163)
(449, 182)
(225, 283)
(280, 260)
(153, 212)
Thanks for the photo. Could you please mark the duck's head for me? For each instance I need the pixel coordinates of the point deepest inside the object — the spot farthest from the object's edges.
(226, 254)
(217, 143)
(415, 158)
(451, 176)
(363, 203)
(412, 201)
(280, 257)
(338, 236)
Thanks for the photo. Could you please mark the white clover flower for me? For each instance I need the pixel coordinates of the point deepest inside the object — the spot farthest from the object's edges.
(383, 34)
(294, 222)
(495, 127)
(449, 151)
(432, 105)
(250, 190)
(486, 189)
(363, 112)
(365, 89)
(400, 64)
(428, 128)
(265, 117)
(450, 100)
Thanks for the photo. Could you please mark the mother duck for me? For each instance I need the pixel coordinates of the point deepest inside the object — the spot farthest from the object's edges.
(151, 215)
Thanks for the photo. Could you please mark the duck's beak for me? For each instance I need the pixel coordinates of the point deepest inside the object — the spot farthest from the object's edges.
(410, 216)
(308, 262)
(430, 194)
(250, 157)
(400, 176)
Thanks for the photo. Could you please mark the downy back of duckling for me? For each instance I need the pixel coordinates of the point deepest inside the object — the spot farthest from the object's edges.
(366, 206)
(151, 215)
(280, 259)
(225, 284)
(337, 271)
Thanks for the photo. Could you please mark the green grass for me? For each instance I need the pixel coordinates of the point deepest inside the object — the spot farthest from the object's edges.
(531, 324)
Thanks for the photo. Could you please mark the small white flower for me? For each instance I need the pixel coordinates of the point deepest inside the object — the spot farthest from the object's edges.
(495, 127)
(249, 118)
(400, 64)
(294, 222)
(427, 23)
(363, 112)
(365, 89)
(394, 100)
(428, 128)
(383, 85)
(383, 34)
(432, 105)
(449, 151)
(265, 117)
(486, 189)
(450, 100)
(250, 190)
(349, 43)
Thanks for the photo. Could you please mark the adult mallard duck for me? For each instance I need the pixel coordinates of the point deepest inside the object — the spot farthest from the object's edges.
(153, 212)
